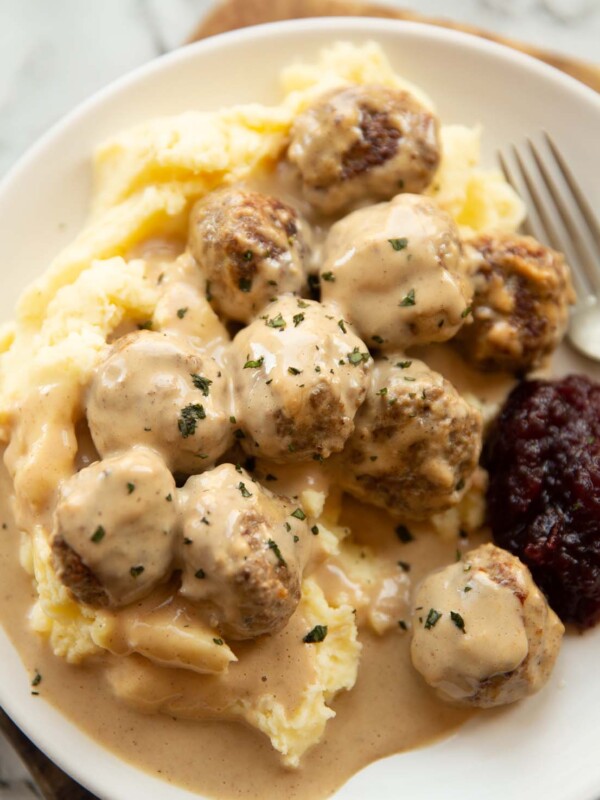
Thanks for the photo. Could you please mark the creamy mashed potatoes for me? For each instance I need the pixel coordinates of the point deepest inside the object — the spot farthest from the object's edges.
(145, 182)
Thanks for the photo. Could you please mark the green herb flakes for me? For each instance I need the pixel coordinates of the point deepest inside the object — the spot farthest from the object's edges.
(328, 276)
(201, 383)
(181, 312)
(298, 318)
(458, 621)
(356, 357)
(299, 514)
(403, 364)
(188, 419)
(432, 618)
(130, 488)
(398, 244)
(404, 534)
(408, 299)
(244, 492)
(318, 633)
(136, 571)
(276, 322)
(98, 535)
(272, 545)
(254, 364)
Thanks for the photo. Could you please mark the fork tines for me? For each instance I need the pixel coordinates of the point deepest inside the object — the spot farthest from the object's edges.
(561, 216)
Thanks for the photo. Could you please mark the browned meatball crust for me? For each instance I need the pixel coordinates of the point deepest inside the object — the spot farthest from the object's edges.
(250, 247)
(415, 444)
(520, 305)
(363, 143)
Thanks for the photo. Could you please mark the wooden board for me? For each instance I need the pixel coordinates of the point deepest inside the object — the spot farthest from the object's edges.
(232, 14)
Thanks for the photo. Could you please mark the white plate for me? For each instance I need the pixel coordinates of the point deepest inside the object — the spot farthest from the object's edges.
(546, 747)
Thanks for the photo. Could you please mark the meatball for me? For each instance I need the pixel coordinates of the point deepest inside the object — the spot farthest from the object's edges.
(543, 458)
(114, 530)
(416, 442)
(250, 247)
(397, 272)
(521, 303)
(363, 143)
(242, 552)
(299, 375)
(483, 633)
(155, 389)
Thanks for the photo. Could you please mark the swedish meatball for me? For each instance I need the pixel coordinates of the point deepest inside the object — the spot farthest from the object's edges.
(243, 551)
(483, 633)
(416, 441)
(155, 389)
(113, 539)
(250, 247)
(363, 143)
(521, 302)
(397, 272)
(299, 375)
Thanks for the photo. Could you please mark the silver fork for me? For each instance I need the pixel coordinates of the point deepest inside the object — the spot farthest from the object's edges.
(559, 214)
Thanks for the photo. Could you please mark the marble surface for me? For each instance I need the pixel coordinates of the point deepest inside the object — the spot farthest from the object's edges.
(55, 54)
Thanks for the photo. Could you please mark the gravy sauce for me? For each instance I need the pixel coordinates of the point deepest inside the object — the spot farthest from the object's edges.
(390, 709)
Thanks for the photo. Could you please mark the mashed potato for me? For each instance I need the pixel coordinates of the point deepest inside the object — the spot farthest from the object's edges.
(145, 181)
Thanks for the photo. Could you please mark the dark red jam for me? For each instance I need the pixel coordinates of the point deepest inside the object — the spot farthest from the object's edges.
(543, 456)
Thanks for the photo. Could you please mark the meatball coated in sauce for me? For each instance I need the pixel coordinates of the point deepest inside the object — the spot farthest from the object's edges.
(155, 389)
(521, 303)
(483, 633)
(114, 531)
(396, 270)
(299, 375)
(250, 247)
(416, 442)
(363, 143)
(242, 552)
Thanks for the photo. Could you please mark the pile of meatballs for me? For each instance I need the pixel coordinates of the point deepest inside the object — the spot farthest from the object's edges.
(319, 369)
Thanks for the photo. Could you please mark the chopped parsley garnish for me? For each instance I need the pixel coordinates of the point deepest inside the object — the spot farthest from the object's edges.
(432, 618)
(298, 318)
(328, 276)
(270, 477)
(204, 521)
(296, 538)
(404, 565)
(409, 380)
(218, 642)
(408, 299)
(403, 624)
(287, 526)
(294, 371)
(404, 534)
(239, 434)
(135, 571)
(315, 530)
(275, 548)
(187, 540)
(169, 498)
(467, 588)
(130, 488)
(201, 383)
(243, 490)
(37, 679)
(254, 364)
(458, 621)
(342, 325)
(208, 292)
(460, 485)
(299, 514)
(403, 364)
(382, 392)
(302, 304)
(467, 311)
(245, 284)
(145, 326)
(248, 255)
(188, 419)
(200, 574)
(398, 244)
(276, 322)
(318, 633)
(181, 312)
(356, 357)
(98, 534)
(377, 339)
